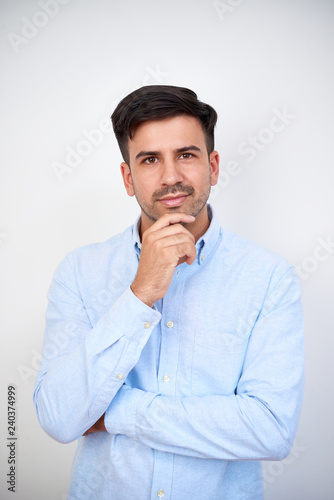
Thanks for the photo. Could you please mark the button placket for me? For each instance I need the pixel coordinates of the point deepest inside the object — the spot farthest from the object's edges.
(167, 373)
(169, 346)
(162, 475)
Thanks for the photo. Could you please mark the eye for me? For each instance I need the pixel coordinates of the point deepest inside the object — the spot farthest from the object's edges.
(150, 160)
(186, 156)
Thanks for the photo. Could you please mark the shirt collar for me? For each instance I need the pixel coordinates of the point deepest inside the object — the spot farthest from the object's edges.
(204, 246)
(210, 239)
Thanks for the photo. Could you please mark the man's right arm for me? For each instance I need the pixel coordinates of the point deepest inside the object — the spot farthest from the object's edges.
(83, 366)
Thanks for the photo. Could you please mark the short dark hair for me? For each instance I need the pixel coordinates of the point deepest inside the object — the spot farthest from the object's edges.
(156, 102)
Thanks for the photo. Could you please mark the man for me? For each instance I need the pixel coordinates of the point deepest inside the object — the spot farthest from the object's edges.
(173, 351)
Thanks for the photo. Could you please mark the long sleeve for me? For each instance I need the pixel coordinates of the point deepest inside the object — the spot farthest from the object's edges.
(84, 365)
(257, 421)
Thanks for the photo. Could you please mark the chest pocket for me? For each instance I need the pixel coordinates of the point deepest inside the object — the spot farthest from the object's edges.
(217, 362)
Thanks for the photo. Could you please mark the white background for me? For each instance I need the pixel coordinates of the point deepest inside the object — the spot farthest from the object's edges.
(247, 59)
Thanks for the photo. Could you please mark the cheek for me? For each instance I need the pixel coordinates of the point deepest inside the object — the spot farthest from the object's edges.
(205, 179)
(143, 187)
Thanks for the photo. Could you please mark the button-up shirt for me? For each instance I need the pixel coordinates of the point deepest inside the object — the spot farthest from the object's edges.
(196, 391)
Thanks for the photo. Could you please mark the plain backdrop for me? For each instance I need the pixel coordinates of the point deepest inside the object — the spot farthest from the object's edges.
(65, 65)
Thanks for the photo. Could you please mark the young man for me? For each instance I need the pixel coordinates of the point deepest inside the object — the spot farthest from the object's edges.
(173, 351)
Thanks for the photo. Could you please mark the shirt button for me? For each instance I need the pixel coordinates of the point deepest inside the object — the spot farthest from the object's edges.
(161, 493)
(120, 376)
(147, 325)
(166, 378)
(170, 324)
(203, 257)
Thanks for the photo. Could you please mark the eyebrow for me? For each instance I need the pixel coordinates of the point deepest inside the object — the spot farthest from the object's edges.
(156, 153)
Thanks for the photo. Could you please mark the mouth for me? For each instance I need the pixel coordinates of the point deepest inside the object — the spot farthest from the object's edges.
(173, 201)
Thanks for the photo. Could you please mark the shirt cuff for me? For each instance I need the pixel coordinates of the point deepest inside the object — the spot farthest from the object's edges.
(130, 315)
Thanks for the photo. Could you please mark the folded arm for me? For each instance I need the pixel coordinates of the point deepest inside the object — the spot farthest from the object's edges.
(84, 366)
(258, 421)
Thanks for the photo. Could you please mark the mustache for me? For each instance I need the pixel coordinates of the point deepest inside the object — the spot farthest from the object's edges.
(177, 188)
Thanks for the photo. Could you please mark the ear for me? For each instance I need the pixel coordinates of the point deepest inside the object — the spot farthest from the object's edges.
(127, 179)
(214, 167)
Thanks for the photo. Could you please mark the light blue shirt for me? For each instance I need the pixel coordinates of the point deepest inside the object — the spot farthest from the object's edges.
(196, 391)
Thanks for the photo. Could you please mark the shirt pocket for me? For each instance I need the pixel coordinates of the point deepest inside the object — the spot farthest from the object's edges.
(217, 362)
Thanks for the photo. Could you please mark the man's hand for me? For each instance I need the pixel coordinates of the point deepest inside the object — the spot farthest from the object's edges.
(97, 427)
(164, 245)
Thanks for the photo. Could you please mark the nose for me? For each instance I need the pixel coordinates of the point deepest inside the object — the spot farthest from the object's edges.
(171, 172)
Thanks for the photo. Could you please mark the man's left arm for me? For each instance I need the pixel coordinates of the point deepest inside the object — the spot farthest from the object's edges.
(257, 421)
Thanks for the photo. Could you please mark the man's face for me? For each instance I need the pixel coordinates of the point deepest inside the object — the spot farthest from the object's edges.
(170, 168)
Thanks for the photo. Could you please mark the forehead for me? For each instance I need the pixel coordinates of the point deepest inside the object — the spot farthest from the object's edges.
(175, 132)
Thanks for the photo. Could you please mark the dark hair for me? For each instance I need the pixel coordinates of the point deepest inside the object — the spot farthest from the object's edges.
(156, 102)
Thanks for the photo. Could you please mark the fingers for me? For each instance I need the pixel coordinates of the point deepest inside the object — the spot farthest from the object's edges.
(169, 244)
(169, 250)
(166, 232)
(169, 219)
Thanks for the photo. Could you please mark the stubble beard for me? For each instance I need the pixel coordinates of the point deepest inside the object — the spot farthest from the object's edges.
(196, 205)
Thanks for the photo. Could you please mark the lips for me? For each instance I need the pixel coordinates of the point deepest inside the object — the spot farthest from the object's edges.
(173, 201)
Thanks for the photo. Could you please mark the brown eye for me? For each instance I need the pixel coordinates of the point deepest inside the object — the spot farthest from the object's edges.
(151, 160)
(186, 156)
